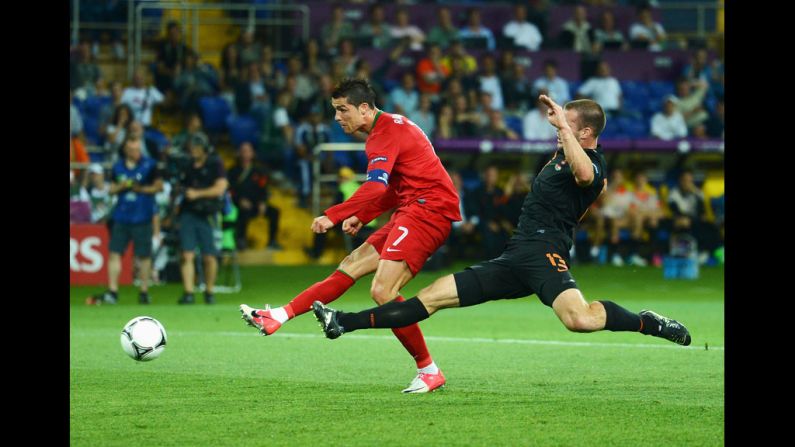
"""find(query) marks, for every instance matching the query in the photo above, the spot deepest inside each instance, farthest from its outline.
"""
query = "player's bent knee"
(380, 293)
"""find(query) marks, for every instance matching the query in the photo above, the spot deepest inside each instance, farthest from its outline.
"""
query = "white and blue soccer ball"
(143, 338)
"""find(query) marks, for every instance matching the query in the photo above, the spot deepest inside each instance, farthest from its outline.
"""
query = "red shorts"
(413, 234)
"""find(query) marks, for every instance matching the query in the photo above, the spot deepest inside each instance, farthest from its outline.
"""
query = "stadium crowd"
(274, 110)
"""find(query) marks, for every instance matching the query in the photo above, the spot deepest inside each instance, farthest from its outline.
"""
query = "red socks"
(412, 339)
(324, 291)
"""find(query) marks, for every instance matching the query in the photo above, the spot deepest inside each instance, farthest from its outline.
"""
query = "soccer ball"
(143, 338)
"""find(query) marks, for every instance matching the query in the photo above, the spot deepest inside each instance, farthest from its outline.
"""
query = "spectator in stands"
(75, 120)
(716, 122)
(516, 190)
(332, 33)
(690, 101)
(251, 96)
(669, 123)
(497, 129)
(647, 214)
(135, 179)
(84, 71)
(535, 124)
(431, 73)
(445, 32)
(457, 53)
(464, 233)
(320, 99)
(271, 70)
(142, 97)
(404, 99)
(347, 57)
(98, 192)
(424, 116)
(193, 81)
(474, 29)
(231, 67)
(517, 90)
(701, 68)
(248, 48)
(282, 131)
(248, 186)
(136, 130)
(557, 87)
(193, 125)
(203, 184)
(404, 29)
(461, 82)
(577, 33)
(616, 211)
(688, 210)
(309, 134)
(170, 58)
(304, 82)
(523, 33)
(489, 197)
(483, 108)
(490, 82)
(116, 131)
(446, 126)
(316, 65)
(466, 120)
(607, 36)
(604, 89)
(645, 32)
(376, 28)
(108, 110)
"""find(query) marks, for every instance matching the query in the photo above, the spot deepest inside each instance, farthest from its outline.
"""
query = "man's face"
(197, 151)
(133, 149)
(491, 175)
(246, 152)
(350, 117)
(550, 71)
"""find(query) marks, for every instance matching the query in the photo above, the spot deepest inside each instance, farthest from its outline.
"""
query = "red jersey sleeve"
(381, 154)
(387, 201)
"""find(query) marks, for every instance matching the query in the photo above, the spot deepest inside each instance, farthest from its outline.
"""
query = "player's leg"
(210, 247)
(119, 240)
(142, 243)
(580, 316)
(360, 262)
(188, 243)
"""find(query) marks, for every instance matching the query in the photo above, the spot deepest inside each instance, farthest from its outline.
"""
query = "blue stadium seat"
(659, 89)
(612, 130)
(215, 111)
(94, 104)
(91, 129)
(515, 124)
(158, 137)
(243, 128)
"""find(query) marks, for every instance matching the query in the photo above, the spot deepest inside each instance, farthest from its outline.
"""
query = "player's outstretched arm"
(581, 165)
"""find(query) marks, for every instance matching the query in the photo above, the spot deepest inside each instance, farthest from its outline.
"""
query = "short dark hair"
(590, 114)
(357, 91)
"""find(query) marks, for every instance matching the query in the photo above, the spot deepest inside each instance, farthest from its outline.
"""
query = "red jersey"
(403, 169)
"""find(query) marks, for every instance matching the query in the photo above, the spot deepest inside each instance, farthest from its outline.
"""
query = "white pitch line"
(510, 341)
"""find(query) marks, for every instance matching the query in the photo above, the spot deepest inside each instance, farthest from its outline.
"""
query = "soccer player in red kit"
(404, 172)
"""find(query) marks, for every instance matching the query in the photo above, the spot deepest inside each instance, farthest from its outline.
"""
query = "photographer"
(203, 183)
(136, 180)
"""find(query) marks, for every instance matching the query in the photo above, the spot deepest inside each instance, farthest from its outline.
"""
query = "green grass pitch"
(515, 376)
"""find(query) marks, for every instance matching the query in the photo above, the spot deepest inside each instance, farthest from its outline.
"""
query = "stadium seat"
(515, 124)
(215, 112)
(93, 105)
(243, 128)
(158, 137)
(91, 129)
(659, 89)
